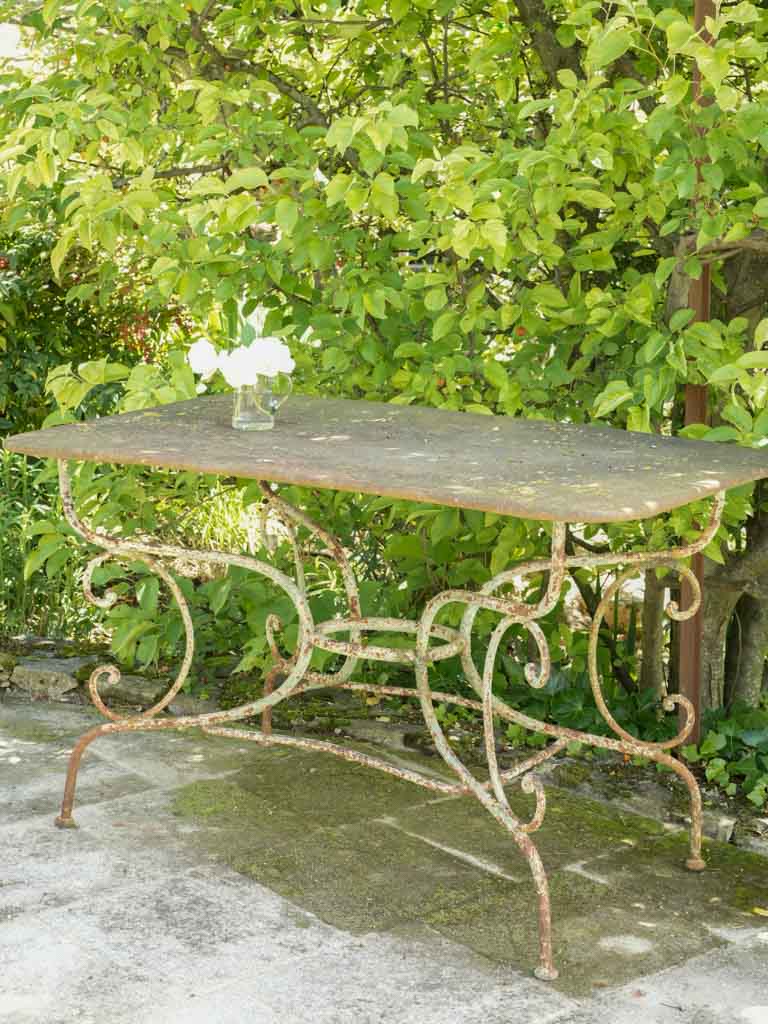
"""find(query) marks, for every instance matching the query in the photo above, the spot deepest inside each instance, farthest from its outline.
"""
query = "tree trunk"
(652, 666)
(734, 659)
(744, 680)
(720, 599)
(734, 649)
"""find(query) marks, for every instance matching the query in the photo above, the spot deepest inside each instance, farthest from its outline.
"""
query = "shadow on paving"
(365, 852)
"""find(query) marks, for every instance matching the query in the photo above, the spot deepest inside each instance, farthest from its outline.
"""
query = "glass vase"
(256, 404)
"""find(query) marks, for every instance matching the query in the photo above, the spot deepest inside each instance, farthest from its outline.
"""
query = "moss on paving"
(353, 847)
(29, 731)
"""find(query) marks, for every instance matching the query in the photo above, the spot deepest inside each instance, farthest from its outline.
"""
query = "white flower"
(203, 359)
(238, 367)
(266, 357)
(272, 356)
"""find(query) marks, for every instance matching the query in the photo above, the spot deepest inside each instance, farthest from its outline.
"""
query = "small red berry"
(521, 331)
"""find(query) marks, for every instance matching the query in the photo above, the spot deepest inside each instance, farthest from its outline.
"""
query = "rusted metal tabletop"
(527, 468)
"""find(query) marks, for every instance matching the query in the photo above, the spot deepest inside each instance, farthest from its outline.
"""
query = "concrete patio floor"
(213, 881)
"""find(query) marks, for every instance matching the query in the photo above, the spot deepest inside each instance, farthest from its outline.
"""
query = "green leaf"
(147, 592)
(383, 196)
(399, 9)
(680, 318)
(758, 795)
(337, 187)
(410, 350)
(56, 562)
(286, 215)
(567, 79)
(36, 559)
(435, 299)
(495, 373)
(375, 303)
(247, 177)
(761, 332)
(664, 269)
(737, 415)
(444, 324)
(722, 434)
(549, 295)
(60, 250)
(404, 115)
(675, 90)
(717, 769)
(421, 168)
(611, 397)
(446, 524)
(753, 360)
(50, 10)
(125, 637)
(219, 595)
(726, 374)
(464, 238)
(592, 199)
(609, 46)
(495, 234)
(679, 34)
(760, 426)
(655, 344)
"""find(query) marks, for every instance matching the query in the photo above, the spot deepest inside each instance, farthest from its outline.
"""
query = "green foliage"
(30, 512)
(40, 326)
(734, 752)
(479, 207)
(489, 236)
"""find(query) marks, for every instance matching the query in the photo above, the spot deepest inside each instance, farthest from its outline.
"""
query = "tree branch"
(175, 172)
(542, 29)
(239, 61)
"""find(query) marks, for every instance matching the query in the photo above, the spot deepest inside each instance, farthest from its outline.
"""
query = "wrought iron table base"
(433, 642)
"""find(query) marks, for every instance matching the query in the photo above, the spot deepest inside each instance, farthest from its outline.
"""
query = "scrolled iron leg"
(695, 861)
(151, 553)
(65, 819)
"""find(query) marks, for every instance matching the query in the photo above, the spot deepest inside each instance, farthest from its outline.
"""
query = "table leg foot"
(695, 864)
(67, 821)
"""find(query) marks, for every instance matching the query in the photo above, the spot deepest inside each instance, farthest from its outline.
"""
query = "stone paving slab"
(197, 889)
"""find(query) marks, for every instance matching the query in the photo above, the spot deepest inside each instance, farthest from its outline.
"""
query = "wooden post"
(696, 411)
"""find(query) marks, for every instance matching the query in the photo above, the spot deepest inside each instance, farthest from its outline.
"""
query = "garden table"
(527, 468)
